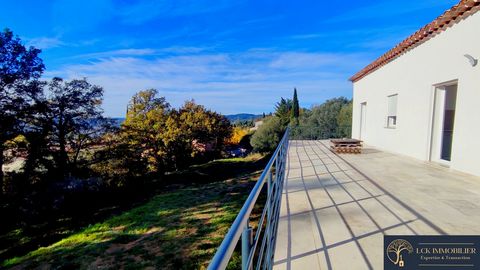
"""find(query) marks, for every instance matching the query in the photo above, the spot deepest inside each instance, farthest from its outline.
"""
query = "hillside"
(178, 229)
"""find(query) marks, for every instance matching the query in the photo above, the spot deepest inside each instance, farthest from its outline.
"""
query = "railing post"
(268, 230)
(246, 245)
(264, 234)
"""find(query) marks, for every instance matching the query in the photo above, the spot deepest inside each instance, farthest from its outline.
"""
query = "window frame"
(391, 119)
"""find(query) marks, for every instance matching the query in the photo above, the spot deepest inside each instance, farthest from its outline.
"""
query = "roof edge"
(460, 11)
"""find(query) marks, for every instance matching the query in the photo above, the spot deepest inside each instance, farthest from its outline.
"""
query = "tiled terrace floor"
(336, 209)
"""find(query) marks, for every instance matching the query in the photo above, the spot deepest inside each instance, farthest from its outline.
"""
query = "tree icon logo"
(395, 249)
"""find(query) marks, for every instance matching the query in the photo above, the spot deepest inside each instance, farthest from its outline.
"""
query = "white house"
(422, 98)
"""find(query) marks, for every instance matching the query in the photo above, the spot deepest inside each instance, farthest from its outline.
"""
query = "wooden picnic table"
(346, 146)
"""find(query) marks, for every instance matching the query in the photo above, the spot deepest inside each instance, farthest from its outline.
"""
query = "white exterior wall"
(413, 76)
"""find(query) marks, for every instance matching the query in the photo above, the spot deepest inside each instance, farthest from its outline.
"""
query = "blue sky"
(232, 56)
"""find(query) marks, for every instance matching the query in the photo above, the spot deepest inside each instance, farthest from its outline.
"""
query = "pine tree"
(283, 110)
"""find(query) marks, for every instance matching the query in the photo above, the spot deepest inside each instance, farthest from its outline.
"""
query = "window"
(392, 111)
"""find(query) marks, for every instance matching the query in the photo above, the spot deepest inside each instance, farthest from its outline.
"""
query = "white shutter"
(392, 105)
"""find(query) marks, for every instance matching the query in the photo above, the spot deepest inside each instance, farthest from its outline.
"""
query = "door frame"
(431, 150)
(363, 120)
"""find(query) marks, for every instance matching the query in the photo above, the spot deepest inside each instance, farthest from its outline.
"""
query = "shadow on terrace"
(336, 208)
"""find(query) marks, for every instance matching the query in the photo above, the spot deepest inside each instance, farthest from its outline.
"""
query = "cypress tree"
(295, 107)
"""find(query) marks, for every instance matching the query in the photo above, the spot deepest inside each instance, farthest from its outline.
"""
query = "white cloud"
(114, 53)
(183, 49)
(295, 60)
(309, 36)
(250, 81)
(140, 52)
(45, 42)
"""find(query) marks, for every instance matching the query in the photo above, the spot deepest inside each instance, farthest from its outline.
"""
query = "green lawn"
(180, 229)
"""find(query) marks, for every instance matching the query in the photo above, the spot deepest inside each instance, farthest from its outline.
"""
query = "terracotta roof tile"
(458, 12)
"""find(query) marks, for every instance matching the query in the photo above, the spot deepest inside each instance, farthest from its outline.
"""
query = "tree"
(169, 138)
(37, 132)
(144, 129)
(268, 135)
(194, 131)
(237, 136)
(295, 105)
(117, 162)
(74, 111)
(344, 120)
(205, 126)
(324, 117)
(18, 65)
(283, 111)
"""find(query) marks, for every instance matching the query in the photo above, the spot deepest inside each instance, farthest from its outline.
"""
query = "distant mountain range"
(242, 117)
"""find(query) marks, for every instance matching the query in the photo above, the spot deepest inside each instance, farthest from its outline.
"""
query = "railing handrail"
(314, 132)
(225, 250)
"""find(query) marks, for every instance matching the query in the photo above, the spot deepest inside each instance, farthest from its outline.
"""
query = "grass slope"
(175, 230)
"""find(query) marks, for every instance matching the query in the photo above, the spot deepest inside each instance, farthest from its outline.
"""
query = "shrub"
(237, 135)
(331, 119)
(268, 135)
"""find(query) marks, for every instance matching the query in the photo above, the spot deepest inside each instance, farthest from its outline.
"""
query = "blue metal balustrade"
(258, 245)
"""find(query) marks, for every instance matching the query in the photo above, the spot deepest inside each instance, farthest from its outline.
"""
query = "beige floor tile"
(428, 195)
(358, 221)
(333, 228)
(302, 238)
(373, 247)
(280, 266)
(347, 257)
(306, 262)
(379, 213)
(338, 194)
(356, 191)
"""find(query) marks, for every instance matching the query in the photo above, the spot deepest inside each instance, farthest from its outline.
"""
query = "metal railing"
(257, 245)
(309, 132)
